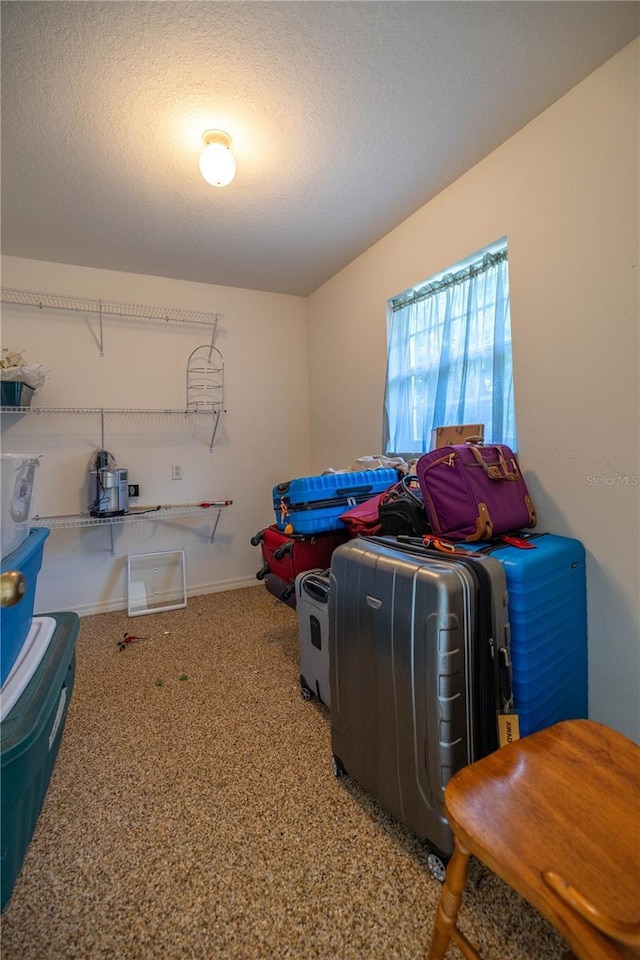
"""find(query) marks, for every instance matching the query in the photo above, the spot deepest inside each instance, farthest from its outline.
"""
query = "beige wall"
(564, 190)
(263, 439)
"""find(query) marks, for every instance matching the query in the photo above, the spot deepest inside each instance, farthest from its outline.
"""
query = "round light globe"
(217, 165)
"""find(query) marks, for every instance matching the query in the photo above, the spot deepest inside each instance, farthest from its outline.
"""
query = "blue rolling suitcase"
(548, 617)
(313, 504)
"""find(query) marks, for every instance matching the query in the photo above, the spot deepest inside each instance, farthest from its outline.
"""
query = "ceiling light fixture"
(217, 163)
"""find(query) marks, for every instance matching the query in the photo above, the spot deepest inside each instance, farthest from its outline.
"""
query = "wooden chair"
(556, 815)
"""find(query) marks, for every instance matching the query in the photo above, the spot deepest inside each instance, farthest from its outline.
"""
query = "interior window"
(449, 356)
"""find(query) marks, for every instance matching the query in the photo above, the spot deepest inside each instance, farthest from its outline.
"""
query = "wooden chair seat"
(556, 815)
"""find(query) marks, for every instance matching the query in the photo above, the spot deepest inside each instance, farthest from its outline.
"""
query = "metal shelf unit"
(211, 403)
(197, 403)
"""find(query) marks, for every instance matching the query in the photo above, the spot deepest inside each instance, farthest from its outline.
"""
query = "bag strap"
(403, 487)
(419, 545)
(494, 471)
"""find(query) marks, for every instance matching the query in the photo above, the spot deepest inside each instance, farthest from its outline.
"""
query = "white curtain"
(449, 358)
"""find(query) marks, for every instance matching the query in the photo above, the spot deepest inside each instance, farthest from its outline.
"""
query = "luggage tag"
(508, 728)
(284, 513)
(508, 720)
(519, 542)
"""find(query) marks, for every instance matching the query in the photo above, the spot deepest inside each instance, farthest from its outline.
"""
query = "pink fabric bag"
(474, 492)
(364, 518)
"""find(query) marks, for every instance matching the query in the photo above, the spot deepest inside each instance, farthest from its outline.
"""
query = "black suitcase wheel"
(305, 690)
(257, 540)
(338, 767)
(437, 864)
(262, 572)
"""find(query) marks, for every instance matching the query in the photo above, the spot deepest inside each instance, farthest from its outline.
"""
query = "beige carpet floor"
(200, 818)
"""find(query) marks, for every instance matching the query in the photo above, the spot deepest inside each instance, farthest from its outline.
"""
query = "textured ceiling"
(346, 117)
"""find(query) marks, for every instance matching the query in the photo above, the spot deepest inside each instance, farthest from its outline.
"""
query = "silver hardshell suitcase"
(419, 670)
(312, 596)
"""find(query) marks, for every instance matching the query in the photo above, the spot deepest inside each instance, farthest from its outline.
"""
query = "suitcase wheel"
(262, 572)
(437, 864)
(305, 690)
(338, 767)
(257, 540)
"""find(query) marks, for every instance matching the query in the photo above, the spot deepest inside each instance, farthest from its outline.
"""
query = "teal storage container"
(30, 737)
(14, 393)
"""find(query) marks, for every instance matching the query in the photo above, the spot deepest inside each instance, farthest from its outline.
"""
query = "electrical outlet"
(176, 471)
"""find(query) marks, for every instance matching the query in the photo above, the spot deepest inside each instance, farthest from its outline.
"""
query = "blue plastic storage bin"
(314, 504)
(15, 621)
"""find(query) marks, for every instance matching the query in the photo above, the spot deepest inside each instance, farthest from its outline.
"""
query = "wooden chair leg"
(450, 900)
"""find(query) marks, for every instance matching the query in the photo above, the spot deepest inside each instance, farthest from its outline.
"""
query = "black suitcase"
(281, 589)
(419, 671)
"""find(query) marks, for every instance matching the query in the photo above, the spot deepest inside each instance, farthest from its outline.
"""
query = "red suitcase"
(286, 555)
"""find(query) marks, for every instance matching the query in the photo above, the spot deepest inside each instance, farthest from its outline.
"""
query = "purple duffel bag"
(474, 492)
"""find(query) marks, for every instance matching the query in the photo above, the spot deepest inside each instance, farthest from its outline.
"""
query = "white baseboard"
(108, 606)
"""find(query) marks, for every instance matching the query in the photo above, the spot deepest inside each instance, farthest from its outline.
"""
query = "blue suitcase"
(548, 617)
(314, 504)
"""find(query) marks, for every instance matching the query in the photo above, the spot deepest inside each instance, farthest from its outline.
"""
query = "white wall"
(564, 190)
(263, 439)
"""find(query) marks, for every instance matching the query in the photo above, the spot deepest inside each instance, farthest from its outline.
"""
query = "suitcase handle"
(506, 689)
(495, 471)
(403, 487)
(316, 587)
(353, 491)
(284, 550)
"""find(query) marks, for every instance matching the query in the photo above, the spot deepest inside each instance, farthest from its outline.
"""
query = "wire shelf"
(209, 408)
(109, 307)
(165, 512)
